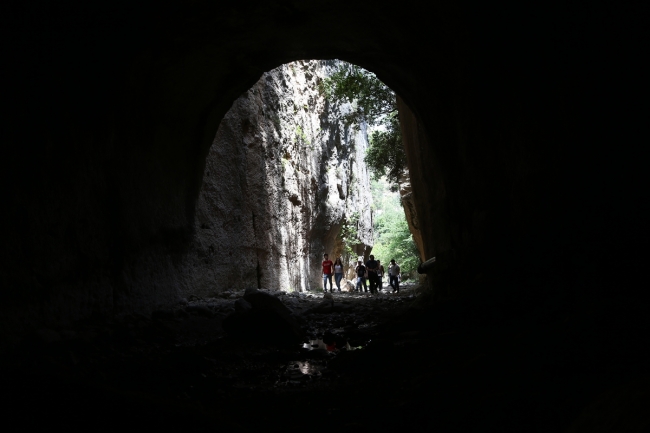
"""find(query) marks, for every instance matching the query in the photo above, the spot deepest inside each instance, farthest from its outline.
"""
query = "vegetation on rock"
(374, 103)
(350, 234)
(393, 238)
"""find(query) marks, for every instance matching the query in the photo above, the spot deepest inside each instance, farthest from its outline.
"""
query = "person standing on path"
(380, 274)
(361, 276)
(338, 272)
(393, 275)
(327, 273)
(373, 268)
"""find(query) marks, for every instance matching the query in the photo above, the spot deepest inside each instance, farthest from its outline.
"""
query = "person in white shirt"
(338, 272)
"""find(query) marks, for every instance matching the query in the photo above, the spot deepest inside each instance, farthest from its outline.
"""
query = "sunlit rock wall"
(283, 174)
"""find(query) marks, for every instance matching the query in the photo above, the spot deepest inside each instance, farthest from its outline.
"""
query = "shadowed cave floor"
(179, 369)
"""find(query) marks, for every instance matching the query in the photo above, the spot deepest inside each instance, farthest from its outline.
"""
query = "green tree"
(374, 103)
(385, 155)
(371, 99)
(393, 238)
(349, 234)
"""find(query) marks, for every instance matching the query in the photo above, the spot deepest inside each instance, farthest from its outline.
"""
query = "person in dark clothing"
(380, 274)
(361, 276)
(373, 268)
(393, 275)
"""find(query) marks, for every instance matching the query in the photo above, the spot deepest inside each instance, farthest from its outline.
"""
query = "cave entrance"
(308, 161)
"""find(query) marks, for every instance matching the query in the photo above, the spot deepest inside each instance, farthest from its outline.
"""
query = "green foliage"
(393, 239)
(350, 234)
(374, 103)
(385, 155)
(350, 83)
(300, 135)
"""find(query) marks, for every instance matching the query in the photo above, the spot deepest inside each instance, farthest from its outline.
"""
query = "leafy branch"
(350, 233)
(372, 102)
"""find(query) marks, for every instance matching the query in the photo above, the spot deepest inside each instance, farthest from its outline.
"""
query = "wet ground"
(365, 363)
(179, 363)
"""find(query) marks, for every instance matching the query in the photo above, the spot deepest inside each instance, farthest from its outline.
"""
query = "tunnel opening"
(288, 178)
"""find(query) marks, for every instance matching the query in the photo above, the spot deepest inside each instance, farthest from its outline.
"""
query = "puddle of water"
(307, 367)
(300, 373)
(315, 344)
(320, 344)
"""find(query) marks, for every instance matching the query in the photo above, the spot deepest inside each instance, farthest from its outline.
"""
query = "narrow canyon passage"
(283, 177)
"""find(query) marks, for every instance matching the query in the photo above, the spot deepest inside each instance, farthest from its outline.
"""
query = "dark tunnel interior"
(523, 129)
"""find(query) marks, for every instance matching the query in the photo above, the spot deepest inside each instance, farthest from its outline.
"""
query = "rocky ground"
(271, 361)
(181, 366)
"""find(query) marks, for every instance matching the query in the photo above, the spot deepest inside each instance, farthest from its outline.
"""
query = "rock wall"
(283, 174)
(406, 195)
(411, 215)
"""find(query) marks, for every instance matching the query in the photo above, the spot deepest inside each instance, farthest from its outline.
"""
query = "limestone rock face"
(406, 195)
(283, 174)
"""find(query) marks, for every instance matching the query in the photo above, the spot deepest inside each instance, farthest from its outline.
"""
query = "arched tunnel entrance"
(287, 180)
(284, 176)
(532, 317)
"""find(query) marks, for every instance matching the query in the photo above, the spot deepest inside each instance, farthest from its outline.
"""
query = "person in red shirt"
(327, 272)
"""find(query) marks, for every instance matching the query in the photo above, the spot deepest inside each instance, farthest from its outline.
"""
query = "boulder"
(264, 301)
(199, 310)
(242, 305)
(262, 317)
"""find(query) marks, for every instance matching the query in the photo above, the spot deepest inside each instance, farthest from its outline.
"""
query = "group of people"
(373, 271)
